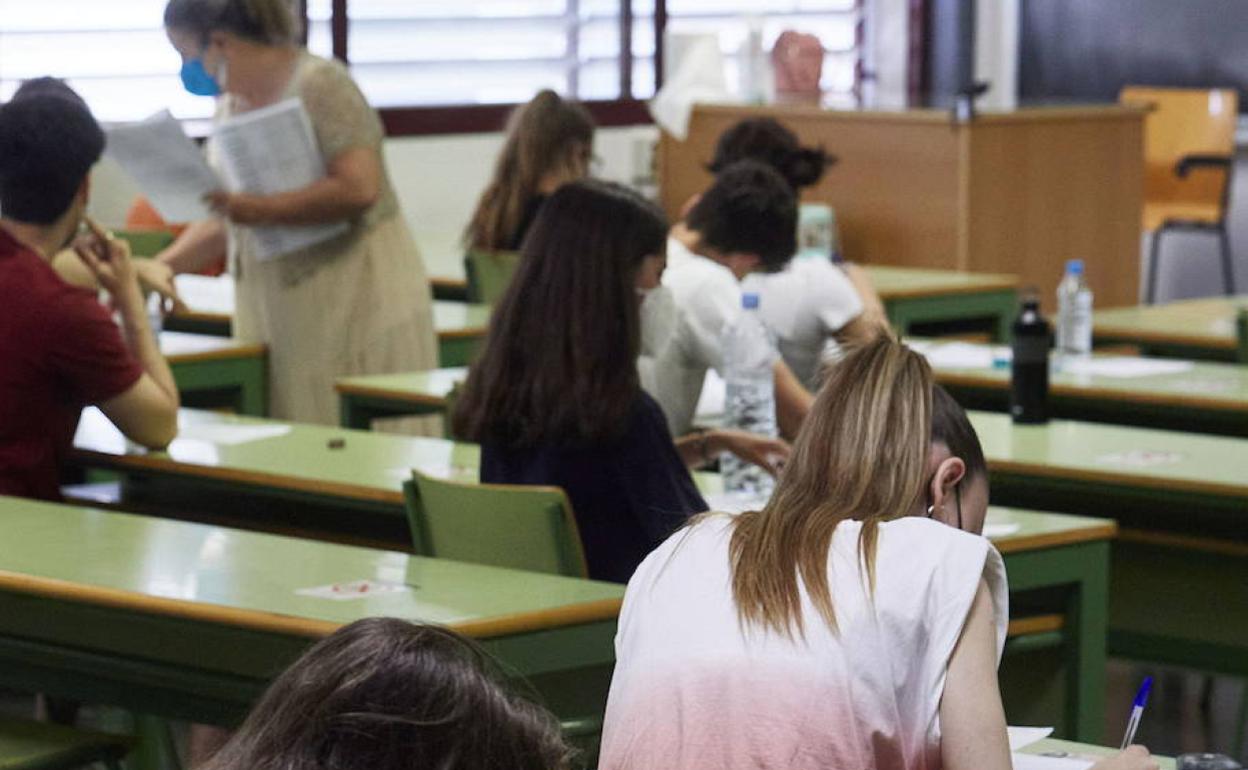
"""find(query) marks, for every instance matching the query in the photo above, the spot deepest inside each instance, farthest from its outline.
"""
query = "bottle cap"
(1074, 267)
(749, 301)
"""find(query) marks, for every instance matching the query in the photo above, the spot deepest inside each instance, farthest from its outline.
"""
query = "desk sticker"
(354, 589)
(1140, 458)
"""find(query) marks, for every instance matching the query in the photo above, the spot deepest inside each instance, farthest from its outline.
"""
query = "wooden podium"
(1018, 192)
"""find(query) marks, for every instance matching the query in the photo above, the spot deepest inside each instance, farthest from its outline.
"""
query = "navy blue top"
(628, 495)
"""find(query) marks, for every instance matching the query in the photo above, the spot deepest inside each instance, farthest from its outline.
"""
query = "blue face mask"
(197, 80)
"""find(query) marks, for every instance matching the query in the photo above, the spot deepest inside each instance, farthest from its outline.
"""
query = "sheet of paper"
(995, 529)
(231, 435)
(1126, 367)
(730, 503)
(206, 294)
(960, 355)
(1041, 762)
(1022, 737)
(274, 150)
(354, 589)
(166, 165)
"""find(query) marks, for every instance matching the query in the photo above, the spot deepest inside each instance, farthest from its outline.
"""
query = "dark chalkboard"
(1086, 50)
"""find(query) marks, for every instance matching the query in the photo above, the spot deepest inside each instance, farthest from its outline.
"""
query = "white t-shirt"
(692, 691)
(802, 306)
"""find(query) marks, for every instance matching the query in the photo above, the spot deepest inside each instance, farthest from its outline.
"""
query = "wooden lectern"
(1018, 192)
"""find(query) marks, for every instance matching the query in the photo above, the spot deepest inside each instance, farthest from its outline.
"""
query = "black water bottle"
(1029, 386)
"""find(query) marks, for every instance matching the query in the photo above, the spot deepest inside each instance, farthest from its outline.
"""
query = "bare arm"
(197, 248)
(873, 313)
(792, 400)
(700, 448)
(351, 186)
(147, 412)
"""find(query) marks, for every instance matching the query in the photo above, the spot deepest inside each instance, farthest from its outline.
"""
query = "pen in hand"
(1137, 711)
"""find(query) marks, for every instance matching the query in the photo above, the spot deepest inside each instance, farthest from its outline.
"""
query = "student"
(855, 622)
(745, 223)
(60, 348)
(554, 398)
(385, 694)
(813, 306)
(550, 142)
(358, 303)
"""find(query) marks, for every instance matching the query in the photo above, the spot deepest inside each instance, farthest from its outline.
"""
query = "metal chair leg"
(1228, 266)
(1154, 256)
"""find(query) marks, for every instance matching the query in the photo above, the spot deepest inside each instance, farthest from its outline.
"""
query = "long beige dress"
(357, 304)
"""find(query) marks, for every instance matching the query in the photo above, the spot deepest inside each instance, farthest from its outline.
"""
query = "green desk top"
(179, 347)
(1140, 457)
(1208, 322)
(429, 387)
(213, 298)
(906, 283)
(1052, 745)
(1200, 384)
(253, 580)
(368, 465)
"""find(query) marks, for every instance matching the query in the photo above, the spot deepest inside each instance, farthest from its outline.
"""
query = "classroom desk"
(372, 397)
(460, 327)
(188, 621)
(1179, 572)
(1194, 328)
(217, 371)
(1202, 397)
(921, 296)
(1055, 747)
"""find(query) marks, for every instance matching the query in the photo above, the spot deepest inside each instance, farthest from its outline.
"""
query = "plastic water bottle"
(1029, 380)
(1074, 314)
(750, 405)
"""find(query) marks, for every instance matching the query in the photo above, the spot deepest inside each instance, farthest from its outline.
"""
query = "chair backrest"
(1183, 122)
(491, 273)
(145, 243)
(521, 527)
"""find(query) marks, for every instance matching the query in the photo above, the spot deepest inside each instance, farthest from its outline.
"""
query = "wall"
(437, 180)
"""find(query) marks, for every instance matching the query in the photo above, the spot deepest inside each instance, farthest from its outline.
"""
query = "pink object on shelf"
(797, 60)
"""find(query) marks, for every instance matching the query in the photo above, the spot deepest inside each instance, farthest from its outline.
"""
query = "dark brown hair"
(548, 134)
(861, 455)
(268, 22)
(559, 364)
(385, 694)
(769, 141)
(749, 209)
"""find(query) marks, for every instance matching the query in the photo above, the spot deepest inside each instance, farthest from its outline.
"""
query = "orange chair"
(1189, 157)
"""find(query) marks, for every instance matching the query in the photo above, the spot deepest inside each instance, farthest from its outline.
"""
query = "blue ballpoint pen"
(1137, 711)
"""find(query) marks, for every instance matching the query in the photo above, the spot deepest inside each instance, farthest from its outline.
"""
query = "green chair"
(489, 273)
(522, 527)
(27, 745)
(145, 243)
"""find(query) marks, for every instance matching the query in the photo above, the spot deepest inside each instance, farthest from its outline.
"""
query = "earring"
(932, 508)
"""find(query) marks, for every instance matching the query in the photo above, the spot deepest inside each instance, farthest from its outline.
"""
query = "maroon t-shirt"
(59, 351)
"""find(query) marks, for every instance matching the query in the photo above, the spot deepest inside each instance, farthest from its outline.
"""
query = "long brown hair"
(268, 22)
(559, 364)
(385, 694)
(543, 135)
(862, 455)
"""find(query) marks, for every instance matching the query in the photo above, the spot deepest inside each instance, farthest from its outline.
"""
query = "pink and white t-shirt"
(693, 691)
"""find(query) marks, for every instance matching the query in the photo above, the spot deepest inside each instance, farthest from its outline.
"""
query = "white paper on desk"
(1126, 367)
(231, 435)
(1041, 762)
(206, 294)
(959, 355)
(166, 165)
(268, 151)
(1022, 737)
(726, 502)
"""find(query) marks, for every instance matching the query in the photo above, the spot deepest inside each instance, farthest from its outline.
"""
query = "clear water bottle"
(1074, 314)
(750, 405)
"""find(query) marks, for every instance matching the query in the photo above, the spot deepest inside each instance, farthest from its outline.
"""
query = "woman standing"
(356, 304)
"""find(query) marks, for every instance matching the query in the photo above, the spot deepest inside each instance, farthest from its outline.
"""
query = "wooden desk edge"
(200, 316)
(987, 287)
(168, 466)
(225, 354)
(311, 628)
(1101, 393)
(401, 396)
(466, 332)
(933, 116)
(446, 282)
(1124, 333)
(1019, 543)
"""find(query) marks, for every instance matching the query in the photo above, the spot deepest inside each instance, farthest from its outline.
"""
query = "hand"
(1133, 758)
(157, 276)
(240, 208)
(108, 259)
(770, 454)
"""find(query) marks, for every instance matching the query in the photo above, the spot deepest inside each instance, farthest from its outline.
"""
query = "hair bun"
(805, 166)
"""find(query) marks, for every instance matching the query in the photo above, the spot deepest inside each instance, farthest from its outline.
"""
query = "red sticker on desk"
(355, 589)
(1140, 458)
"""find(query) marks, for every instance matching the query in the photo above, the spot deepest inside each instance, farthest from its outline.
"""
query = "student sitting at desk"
(745, 223)
(60, 348)
(385, 694)
(856, 621)
(554, 398)
(550, 142)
